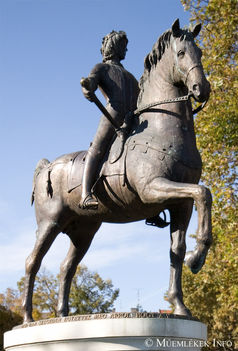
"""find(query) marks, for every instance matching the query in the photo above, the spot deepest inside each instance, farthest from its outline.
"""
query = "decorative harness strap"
(139, 110)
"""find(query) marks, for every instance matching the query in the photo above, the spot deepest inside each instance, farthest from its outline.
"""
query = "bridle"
(147, 107)
(190, 69)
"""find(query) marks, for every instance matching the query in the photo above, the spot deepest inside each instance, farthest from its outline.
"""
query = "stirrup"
(90, 203)
(157, 221)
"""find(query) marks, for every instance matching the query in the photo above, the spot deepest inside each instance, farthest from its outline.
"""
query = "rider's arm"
(90, 84)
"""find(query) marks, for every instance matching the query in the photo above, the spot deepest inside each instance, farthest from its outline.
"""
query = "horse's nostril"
(196, 89)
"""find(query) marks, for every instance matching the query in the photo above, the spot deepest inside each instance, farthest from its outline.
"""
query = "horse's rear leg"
(161, 190)
(81, 239)
(45, 236)
(180, 217)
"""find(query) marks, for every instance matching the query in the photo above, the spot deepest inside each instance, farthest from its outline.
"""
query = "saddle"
(112, 164)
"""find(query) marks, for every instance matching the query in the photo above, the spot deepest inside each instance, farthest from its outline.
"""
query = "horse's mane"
(157, 52)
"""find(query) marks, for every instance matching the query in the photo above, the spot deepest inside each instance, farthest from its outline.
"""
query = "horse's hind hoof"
(27, 320)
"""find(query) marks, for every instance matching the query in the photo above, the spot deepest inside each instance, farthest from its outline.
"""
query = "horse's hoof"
(194, 262)
(62, 314)
(182, 311)
(28, 319)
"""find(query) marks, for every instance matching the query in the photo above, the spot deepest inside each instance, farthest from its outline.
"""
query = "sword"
(93, 98)
(116, 126)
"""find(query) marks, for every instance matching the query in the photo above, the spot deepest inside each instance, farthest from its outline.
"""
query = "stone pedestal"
(109, 332)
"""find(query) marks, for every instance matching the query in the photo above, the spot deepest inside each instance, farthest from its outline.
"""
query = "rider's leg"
(95, 154)
(91, 163)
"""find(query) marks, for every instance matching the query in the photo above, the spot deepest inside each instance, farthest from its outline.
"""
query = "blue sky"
(46, 46)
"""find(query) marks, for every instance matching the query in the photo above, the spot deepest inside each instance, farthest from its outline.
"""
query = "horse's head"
(187, 67)
(176, 60)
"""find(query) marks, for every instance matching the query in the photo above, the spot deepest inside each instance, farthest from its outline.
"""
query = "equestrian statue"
(143, 161)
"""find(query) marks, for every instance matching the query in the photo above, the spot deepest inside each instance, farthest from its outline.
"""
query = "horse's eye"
(181, 53)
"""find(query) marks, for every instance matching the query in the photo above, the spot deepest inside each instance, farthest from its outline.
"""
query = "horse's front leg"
(179, 219)
(160, 190)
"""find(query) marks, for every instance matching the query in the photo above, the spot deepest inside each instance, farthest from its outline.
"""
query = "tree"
(89, 294)
(8, 320)
(11, 301)
(212, 295)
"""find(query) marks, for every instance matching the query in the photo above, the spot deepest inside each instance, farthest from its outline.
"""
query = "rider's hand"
(88, 88)
(122, 133)
(124, 129)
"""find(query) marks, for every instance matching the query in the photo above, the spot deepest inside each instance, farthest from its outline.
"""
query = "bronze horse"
(159, 169)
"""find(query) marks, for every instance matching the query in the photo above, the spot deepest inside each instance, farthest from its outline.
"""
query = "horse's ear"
(196, 30)
(176, 28)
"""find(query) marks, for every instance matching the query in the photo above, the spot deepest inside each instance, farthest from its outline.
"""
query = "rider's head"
(114, 46)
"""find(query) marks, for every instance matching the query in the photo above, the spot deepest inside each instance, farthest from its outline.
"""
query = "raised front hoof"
(194, 261)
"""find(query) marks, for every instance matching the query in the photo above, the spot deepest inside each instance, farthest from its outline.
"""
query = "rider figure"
(120, 89)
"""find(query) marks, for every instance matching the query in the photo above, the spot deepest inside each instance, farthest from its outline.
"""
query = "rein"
(138, 111)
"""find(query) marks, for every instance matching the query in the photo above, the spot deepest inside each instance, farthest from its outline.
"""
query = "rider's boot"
(88, 201)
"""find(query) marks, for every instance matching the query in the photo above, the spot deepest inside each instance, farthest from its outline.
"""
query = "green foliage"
(89, 294)
(212, 295)
(10, 312)
(11, 301)
(8, 320)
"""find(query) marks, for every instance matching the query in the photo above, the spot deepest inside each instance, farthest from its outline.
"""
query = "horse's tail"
(40, 165)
